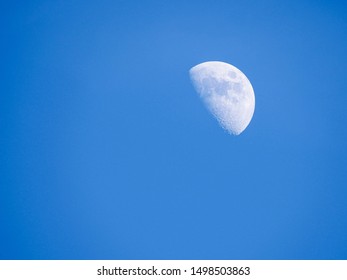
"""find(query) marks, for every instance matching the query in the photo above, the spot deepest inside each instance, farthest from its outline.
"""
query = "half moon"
(226, 92)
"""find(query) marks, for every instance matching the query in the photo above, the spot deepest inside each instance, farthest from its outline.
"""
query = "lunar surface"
(226, 92)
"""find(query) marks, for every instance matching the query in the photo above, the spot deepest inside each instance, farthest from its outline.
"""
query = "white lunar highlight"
(226, 92)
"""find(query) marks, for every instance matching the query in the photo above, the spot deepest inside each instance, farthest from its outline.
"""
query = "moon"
(226, 92)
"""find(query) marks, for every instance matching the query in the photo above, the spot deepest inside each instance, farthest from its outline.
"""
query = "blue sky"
(106, 151)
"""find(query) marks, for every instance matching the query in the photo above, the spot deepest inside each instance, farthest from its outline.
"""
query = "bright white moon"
(226, 92)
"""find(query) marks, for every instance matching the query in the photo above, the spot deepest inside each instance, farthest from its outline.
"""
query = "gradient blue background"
(106, 151)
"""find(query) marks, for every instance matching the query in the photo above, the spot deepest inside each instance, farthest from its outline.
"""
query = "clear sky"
(106, 151)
